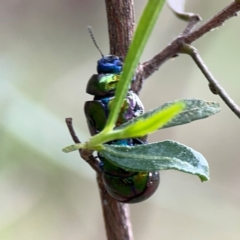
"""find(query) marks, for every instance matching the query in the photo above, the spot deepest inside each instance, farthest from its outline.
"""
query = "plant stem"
(116, 215)
(121, 22)
(216, 88)
(85, 154)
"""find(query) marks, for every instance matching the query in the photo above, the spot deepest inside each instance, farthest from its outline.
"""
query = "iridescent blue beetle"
(124, 186)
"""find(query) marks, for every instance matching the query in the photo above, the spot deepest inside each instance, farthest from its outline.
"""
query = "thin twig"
(71, 130)
(192, 23)
(217, 88)
(85, 154)
(216, 21)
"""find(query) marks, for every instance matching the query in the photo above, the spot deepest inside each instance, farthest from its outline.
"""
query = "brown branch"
(216, 88)
(149, 67)
(85, 154)
(216, 21)
(116, 215)
(121, 22)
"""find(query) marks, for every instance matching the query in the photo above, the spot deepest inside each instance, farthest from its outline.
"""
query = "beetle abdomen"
(125, 186)
(132, 189)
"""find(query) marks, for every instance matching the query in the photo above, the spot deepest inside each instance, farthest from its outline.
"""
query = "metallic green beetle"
(124, 186)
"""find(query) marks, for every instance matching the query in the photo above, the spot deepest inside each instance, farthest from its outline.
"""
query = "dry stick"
(148, 68)
(215, 86)
(85, 154)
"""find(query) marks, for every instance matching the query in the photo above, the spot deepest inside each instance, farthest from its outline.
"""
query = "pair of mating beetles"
(124, 186)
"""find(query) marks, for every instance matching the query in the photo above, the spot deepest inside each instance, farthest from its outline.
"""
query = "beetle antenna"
(94, 40)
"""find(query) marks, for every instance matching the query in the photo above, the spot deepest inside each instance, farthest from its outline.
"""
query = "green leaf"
(195, 109)
(157, 156)
(142, 33)
(149, 123)
(137, 129)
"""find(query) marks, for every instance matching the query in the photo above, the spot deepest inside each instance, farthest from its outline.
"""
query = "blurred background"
(46, 59)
